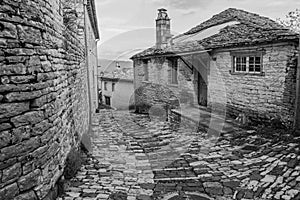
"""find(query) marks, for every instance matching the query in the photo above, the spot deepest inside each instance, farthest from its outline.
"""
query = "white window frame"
(247, 54)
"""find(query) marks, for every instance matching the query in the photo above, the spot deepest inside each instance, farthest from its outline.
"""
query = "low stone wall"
(43, 95)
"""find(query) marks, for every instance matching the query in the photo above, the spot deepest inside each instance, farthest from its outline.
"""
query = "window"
(113, 87)
(240, 64)
(107, 100)
(173, 71)
(254, 64)
(105, 85)
(247, 62)
(146, 70)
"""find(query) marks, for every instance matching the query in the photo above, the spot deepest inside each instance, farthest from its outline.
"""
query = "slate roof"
(123, 74)
(251, 29)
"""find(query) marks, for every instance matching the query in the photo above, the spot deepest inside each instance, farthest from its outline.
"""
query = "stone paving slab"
(137, 157)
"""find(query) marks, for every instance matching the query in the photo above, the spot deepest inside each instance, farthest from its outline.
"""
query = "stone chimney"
(163, 31)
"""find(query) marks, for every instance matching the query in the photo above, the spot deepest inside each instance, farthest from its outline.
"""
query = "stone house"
(235, 62)
(117, 88)
(47, 59)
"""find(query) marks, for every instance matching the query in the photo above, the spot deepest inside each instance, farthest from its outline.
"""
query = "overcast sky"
(127, 26)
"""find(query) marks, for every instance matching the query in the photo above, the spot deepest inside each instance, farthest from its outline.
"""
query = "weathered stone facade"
(44, 104)
(157, 90)
(258, 96)
(206, 72)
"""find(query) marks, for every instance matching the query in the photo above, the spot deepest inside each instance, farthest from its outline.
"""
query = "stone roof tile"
(251, 29)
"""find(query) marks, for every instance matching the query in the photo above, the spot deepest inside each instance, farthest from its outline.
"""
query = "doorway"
(202, 91)
(107, 100)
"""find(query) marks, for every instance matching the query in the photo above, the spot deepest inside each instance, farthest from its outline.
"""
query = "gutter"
(90, 5)
(297, 101)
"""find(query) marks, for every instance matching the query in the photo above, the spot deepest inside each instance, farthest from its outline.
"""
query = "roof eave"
(93, 17)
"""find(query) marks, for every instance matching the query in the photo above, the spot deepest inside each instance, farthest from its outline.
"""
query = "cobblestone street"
(137, 157)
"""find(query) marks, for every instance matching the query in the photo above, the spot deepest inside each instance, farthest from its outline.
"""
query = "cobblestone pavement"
(135, 157)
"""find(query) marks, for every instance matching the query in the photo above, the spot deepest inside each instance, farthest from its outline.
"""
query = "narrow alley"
(213, 91)
(140, 157)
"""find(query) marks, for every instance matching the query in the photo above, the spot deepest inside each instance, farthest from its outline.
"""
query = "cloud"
(121, 45)
(188, 11)
(183, 5)
(116, 21)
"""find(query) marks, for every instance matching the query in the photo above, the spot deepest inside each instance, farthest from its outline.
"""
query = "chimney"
(163, 32)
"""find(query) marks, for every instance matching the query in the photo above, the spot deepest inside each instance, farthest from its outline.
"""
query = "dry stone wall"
(43, 95)
(158, 90)
(271, 95)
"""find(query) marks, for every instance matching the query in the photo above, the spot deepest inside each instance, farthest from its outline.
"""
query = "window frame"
(247, 54)
(146, 70)
(105, 85)
(107, 99)
(173, 70)
(113, 86)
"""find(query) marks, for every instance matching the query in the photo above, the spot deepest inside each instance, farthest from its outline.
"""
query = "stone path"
(135, 157)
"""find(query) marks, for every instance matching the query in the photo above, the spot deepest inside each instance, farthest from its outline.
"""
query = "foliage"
(142, 107)
(73, 163)
(292, 20)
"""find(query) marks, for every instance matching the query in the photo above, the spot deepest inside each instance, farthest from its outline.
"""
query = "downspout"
(86, 139)
(97, 40)
(134, 85)
(297, 102)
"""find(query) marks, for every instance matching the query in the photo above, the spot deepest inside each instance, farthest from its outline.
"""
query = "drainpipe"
(297, 103)
(86, 138)
(97, 40)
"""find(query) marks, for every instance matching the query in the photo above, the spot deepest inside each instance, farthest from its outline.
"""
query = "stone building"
(47, 55)
(235, 62)
(117, 88)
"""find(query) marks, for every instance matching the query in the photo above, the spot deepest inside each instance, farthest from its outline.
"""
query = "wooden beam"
(297, 102)
(187, 64)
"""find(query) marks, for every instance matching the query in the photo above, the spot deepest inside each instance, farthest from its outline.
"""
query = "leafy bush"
(73, 163)
(142, 107)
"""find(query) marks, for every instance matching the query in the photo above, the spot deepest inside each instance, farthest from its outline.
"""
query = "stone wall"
(43, 94)
(158, 90)
(260, 97)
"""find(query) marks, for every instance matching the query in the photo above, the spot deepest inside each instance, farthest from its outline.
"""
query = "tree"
(292, 20)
